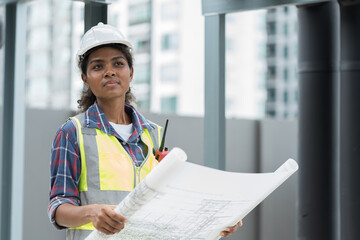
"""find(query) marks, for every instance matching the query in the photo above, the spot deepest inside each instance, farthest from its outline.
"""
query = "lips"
(111, 83)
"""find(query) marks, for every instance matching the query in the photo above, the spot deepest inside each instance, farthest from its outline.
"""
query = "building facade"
(168, 39)
(281, 59)
(52, 30)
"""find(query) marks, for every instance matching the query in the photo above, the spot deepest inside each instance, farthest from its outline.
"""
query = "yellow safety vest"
(108, 173)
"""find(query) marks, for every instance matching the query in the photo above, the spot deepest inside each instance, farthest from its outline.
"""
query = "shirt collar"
(95, 118)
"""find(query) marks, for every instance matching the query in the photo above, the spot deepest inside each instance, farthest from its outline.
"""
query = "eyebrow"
(100, 60)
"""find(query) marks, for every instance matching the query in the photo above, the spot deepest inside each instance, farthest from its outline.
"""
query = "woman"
(86, 182)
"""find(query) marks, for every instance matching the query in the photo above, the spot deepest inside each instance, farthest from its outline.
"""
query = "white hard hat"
(99, 35)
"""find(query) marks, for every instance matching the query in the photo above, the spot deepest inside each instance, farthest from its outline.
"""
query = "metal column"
(12, 188)
(318, 121)
(95, 12)
(214, 121)
(350, 120)
(6, 161)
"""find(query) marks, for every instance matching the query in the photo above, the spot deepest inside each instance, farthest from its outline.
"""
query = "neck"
(115, 111)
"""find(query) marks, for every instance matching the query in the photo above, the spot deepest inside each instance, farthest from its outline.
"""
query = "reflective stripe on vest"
(103, 180)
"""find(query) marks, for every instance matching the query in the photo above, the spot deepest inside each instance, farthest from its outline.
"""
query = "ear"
(84, 78)
(131, 74)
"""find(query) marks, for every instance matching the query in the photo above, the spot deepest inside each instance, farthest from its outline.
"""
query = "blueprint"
(181, 200)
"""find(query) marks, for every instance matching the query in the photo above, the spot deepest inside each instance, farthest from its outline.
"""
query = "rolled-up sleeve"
(65, 168)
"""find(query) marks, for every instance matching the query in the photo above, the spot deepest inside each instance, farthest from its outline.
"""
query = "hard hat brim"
(83, 51)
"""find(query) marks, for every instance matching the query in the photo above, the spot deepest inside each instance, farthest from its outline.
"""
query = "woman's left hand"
(230, 230)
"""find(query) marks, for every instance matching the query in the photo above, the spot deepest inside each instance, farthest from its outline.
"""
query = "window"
(271, 73)
(142, 45)
(143, 104)
(286, 29)
(169, 73)
(271, 50)
(53, 32)
(286, 52)
(169, 104)
(286, 97)
(142, 74)
(286, 9)
(286, 75)
(141, 42)
(170, 41)
(271, 113)
(170, 10)
(271, 28)
(272, 10)
(271, 94)
(139, 13)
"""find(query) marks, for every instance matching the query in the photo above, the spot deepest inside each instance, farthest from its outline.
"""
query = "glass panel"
(139, 13)
(53, 36)
(170, 41)
(169, 104)
(245, 64)
(271, 94)
(261, 57)
(143, 45)
(282, 62)
(142, 94)
(162, 33)
(142, 74)
(170, 10)
(170, 73)
(134, 18)
(143, 104)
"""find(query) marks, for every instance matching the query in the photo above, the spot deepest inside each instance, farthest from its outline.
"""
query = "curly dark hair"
(87, 96)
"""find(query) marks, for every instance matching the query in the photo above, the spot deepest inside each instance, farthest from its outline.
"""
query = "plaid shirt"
(65, 165)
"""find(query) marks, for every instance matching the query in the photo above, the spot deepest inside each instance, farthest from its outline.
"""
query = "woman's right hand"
(106, 220)
(103, 217)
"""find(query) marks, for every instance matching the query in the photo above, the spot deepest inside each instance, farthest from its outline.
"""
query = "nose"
(109, 71)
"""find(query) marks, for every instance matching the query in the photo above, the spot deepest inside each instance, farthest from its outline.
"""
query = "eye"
(97, 66)
(118, 63)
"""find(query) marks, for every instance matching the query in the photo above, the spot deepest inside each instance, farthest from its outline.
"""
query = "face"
(108, 74)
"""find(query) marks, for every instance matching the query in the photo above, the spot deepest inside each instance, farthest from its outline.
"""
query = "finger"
(114, 215)
(109, 222)
(113, 225)
(117, 217)
(104, 230)
(240, 223)
(229, 230)
(111, 229)
(224, 234)
(103, 227)
(232, 229)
